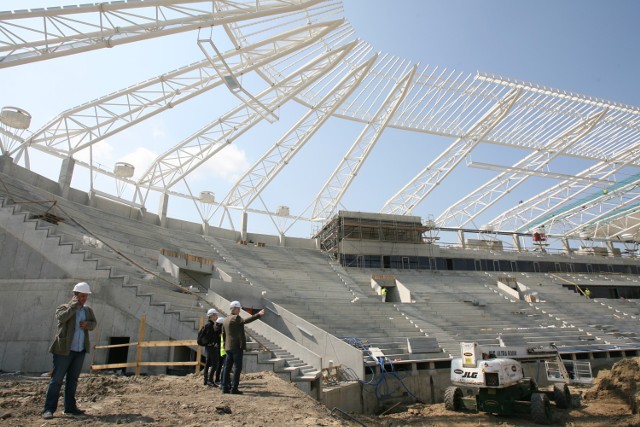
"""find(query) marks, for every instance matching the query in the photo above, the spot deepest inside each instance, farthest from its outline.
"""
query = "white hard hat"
(211, 312)
(235, 304)
(220, 320)
(82, 287)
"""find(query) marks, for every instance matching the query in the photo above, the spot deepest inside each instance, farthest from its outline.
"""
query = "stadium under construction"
(366, 295)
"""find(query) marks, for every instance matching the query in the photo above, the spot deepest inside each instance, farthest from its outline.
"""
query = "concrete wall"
(27, 311)
(331, 349)
(19, 261)
(392, 387)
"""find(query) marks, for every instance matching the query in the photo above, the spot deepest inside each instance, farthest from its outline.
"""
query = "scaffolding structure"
(359, 226)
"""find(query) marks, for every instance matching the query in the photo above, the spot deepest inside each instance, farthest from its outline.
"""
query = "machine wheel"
(541, 409)
(453, 398)
(562, 396)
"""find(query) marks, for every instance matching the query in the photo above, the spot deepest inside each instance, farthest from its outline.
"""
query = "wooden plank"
(112, 366)
(116, 345)
(169, 343)
(168, 363)
(143, 319)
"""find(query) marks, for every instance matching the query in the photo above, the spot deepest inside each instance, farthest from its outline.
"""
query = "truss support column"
(66, 174)
(567, 246)
(516, 243)
(461, 239)
(162, 209)
(243, 225)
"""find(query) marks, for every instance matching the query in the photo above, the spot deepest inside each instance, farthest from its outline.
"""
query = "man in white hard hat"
(235, 342)
(212, 347)
(70, 345)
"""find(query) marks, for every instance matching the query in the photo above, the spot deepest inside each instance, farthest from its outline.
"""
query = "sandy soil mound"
(622, 381)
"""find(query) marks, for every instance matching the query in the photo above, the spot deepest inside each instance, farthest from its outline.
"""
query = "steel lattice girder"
(29, 36)
(264, 170)
(186, 156)
(466, 210)
(420, 186)
(87, 124)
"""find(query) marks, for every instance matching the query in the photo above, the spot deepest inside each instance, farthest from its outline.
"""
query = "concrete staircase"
(65, 249)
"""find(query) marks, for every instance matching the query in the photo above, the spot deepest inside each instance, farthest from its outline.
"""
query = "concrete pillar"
(516, 243)
(66, 174)
(6, 163)
(281, 241)
(461, 239)
(243, 226)
(205, 228)
(162, 209)
(610, 247)
(567, 247)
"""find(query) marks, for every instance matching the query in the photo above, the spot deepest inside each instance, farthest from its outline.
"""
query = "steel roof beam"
(177, 163)
(412, 194)
(39, 34)
(336, 186)
(255, 180)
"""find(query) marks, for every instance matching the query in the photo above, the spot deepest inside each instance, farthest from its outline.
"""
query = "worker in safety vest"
(383, 292)
(223, 354)
(587, 293)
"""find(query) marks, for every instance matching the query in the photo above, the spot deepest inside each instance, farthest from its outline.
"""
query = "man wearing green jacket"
(69, 347)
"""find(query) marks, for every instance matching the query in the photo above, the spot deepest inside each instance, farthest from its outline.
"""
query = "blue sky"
(583, 46)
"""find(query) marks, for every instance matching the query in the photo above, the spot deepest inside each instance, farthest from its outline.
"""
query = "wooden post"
(199, 350)
(143, 319)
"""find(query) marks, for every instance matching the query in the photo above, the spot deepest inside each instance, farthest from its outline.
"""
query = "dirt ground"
(270, 401)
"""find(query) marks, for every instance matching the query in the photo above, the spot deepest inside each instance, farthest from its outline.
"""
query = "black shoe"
(236, 392)
(77, 412)
(226, 391)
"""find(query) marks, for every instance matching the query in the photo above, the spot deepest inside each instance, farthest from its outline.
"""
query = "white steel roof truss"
(181, 160)
(57, 31)
(287, 64)
(625, 221)
(571, 222)
(463, 107)
(410, 101)
(478, 201)
(327, 84)
(524, 214)
(560, 193)
(251, 184)
(91, 122)
(336, 186)
(276, 70)
(421, 186)
(366, 83)
(382, 87)
(368, 87)
(450, 104)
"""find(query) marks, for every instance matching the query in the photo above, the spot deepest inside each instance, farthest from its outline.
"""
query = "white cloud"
(141, 159)
(229, 164)
(102, 154)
